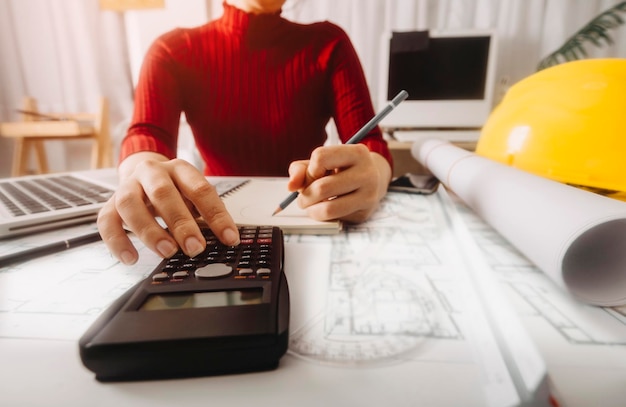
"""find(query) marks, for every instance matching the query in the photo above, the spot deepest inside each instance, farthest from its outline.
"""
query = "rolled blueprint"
(576, 237)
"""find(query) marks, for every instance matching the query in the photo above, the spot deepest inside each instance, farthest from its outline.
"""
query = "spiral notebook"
(253, 201)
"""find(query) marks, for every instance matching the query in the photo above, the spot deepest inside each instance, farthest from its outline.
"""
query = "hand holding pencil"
(356, 138)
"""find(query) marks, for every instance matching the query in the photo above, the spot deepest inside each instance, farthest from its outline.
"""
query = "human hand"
(340, 182)
(150, 186)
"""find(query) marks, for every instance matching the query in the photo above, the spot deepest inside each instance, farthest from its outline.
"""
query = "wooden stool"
(35, 128)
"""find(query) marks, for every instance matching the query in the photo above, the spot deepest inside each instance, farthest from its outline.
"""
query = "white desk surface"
(383, 314)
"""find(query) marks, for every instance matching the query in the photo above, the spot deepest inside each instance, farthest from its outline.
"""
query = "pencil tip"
(277, 210)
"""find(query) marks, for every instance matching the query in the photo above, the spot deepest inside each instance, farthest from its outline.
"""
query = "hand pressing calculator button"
(250, 259)
(223, 311)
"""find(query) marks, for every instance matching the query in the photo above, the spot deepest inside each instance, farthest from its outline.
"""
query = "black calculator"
(224, 311)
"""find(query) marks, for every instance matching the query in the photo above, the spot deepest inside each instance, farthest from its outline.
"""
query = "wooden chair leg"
(20, 157)
(101, 153)
(96, 152)
(23, 146)
(42, 160)
(95, 147)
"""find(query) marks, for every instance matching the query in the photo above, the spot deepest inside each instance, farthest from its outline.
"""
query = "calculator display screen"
(207, 299)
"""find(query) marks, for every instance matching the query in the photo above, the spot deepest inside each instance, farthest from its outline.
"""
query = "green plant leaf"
(594, 32)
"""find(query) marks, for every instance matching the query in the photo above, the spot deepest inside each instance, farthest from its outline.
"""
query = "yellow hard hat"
(566, 123)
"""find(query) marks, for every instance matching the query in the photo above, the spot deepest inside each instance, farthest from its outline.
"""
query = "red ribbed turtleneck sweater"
(257, 91)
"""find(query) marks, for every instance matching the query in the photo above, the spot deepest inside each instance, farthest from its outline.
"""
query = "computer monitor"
(449, 76)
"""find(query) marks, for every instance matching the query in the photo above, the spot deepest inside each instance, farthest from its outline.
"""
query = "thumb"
(299, 176)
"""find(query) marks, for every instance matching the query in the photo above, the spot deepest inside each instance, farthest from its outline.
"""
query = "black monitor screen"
(447, 68)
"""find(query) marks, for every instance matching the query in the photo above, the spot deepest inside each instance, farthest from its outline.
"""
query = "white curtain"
(67, 53)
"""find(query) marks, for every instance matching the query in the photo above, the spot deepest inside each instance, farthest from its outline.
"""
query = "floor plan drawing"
(536, 295)
(390, 293)
(52, 298)
(376, 304)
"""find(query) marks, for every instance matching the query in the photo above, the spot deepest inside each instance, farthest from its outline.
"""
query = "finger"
(114, 236)
(162, 187)
(354, 207)
(327, 181)
(332, 197)
(207, 202)
(298, 175)
(130, 204)
(350, 188)
(331, 159)
(338, 162)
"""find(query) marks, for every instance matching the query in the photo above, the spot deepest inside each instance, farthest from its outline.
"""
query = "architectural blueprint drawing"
(580, 244)
(381, 301)
(574, 240)
(58, 296)
(393, 293)
(585, 344)
(575, 322)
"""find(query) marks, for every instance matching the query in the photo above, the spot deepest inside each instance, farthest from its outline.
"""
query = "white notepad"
(254, 200)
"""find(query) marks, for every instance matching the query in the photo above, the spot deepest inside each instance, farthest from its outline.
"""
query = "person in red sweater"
(258, 91)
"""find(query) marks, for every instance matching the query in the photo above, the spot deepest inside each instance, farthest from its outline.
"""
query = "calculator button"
(160, 277)
(180, 274)
(245, 271)
(188, 266)
(213, 270)
(263, 271)
(244, 263)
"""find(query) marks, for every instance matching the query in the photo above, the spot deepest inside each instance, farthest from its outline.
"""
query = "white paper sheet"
(584, 346)
(576, 237)
(384, 313)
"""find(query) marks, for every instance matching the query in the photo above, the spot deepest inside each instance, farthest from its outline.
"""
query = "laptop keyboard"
(22, 197)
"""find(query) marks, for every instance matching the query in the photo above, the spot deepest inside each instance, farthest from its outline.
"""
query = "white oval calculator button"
(213, 270)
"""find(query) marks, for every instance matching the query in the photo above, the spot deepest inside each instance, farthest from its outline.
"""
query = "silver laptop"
(41, 202)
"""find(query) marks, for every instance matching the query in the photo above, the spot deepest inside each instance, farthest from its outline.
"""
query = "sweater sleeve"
(352, 103)
(156, 116)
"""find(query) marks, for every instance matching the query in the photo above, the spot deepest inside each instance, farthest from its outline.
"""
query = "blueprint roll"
(576, 237)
